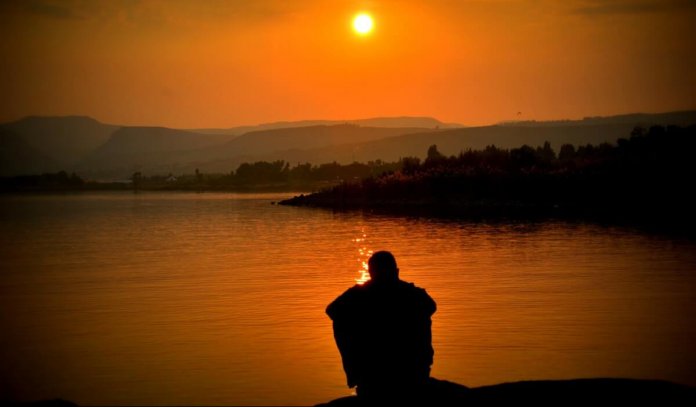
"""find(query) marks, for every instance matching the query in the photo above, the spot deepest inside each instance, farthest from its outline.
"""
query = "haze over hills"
(64, 139)
(453, 141)
(18, 157)
(101, 151)
(161, 150)
(677, 118)
(406, 121)
(47, 144)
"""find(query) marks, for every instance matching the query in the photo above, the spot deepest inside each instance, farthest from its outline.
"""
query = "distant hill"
(65, 140)
(166, 150)
(453, 141)
(19, 157)
(260, 142)
(152, 149)
(96, 150)
(130, 140)
(680, 118)
(399, 122)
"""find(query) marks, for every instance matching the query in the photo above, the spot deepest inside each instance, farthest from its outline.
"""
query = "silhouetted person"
(382, 330)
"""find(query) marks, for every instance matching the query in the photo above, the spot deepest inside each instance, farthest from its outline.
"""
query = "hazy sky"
(224, 63)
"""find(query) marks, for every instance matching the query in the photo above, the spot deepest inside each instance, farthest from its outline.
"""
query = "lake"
(218, 298)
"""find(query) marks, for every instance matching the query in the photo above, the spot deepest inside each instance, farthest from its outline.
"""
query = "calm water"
(180, 298)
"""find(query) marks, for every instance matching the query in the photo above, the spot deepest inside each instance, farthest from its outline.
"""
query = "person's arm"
(344, 334)
(428, 308)
(427, 303)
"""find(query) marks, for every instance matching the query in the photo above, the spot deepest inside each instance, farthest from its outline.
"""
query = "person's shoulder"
(344, 300)
(353, 291)
(420, 296)
(411, 287)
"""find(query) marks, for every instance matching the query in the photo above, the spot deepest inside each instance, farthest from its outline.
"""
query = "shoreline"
(662, 219)
(550, 392)
(528, 392)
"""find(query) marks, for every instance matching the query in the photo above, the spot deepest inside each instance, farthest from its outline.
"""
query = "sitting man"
(382, 330)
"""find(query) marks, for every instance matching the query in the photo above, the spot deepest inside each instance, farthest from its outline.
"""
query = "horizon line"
(341, 121)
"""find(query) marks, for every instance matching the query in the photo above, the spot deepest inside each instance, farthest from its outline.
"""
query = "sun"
(362, 23)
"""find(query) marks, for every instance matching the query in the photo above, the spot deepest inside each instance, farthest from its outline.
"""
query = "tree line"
(46, 181)
(651, 165)
(648, 174)
(273, 174)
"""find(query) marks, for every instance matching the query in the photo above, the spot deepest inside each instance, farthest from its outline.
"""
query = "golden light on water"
(516, 301)
(364, 275)
(363, 255)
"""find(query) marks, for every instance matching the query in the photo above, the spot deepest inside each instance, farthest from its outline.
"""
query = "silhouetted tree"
(301, 172)
(546, 153)
(410, 165)
(199, 176)
(434, 154)
(567, 152)
(136, 178)
(523, 157)
(262, 172)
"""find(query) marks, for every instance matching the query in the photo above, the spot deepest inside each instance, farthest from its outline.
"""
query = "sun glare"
(363, 255)
(362, 23)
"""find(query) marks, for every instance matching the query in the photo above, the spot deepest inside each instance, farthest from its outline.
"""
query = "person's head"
(382, 267)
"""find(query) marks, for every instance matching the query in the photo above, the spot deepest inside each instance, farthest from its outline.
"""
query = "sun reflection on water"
(363, 255)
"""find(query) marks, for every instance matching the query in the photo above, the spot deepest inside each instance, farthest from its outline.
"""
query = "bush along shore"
(260, 176)
(646, 178)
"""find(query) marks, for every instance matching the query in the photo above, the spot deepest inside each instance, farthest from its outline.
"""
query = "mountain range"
(96, 150)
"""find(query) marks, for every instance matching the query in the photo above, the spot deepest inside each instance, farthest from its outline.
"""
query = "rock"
(550, 392)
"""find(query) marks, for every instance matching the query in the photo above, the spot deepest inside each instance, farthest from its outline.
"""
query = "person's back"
(382, 330)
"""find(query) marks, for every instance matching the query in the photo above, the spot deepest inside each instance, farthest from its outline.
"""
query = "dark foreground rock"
(41, 403)
(585, 392)
(551, 392)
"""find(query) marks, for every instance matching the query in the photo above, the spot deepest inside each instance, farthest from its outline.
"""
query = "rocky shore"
(587, 392)
(624, 392)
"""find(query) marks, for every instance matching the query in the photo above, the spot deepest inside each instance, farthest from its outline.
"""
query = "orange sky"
(225, 63)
